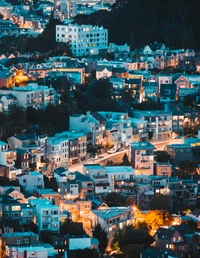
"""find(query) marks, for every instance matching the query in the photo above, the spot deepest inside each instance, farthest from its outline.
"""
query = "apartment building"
(99, 176)
(118, 128)
(31, 180)
(33, 95)
(110, 219)
(139, 129)
(121, 179)
(7, 161)
(47, 215)
(58, 151)
(11, 209)
(142, 157)
(7, 103)
(86, 185)
(180, 152)
(82, 38)
(19, 238)
(31, 149)
(159, 123)
(87, 123)
(149, 91)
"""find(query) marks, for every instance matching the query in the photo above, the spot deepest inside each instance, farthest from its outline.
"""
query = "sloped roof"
(100, 68)
(183, 229)
(165, 233)
(98, 116)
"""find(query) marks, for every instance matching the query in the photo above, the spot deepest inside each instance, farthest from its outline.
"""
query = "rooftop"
(142, 145)
(111, 212)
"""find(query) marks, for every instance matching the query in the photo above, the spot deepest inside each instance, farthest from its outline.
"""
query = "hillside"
(139, 22)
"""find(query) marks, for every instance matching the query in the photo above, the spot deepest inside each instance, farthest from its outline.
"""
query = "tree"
(160, 202)
(46, 236)
(132, 251)
(71, 228)
(157, 218)
(162, 156)
(188, 167)
(115, 199)
(125, 161)
(134, 236)
(101, 235)
(18, 116)
(130, 201)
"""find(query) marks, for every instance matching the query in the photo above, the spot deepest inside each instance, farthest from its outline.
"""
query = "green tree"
(132, 251)
(46, 236)
(188, 167)
(18, 116)
(162, 156)
(71, 228)
(135, 236)
(115, 199)
(101, 235)
(160, 202)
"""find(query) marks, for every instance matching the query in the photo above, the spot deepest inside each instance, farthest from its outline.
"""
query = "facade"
(159, 123)
(31, 181)
(7, 161)
(7, 103)
(47, 215)
(180, 152)
(88, 123)
(31, 149)
(33, 95)
(142, 157)
(82, 38)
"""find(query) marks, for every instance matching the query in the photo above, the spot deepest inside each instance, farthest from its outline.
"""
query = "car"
(120, 149)
(100, 157)
(111, 151)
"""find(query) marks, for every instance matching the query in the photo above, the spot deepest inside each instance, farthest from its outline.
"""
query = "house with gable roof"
(103, 71)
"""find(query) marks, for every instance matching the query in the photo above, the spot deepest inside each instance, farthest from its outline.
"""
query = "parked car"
(120, 149)
(111, 151)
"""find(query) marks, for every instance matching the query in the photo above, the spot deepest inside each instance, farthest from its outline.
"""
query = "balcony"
(102, 184)
(100, 177)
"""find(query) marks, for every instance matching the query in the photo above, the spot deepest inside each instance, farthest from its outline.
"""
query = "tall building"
(142, 157)
(82, 38)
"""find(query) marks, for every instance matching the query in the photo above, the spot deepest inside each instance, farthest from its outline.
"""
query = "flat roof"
(111, 212)
(119, 169)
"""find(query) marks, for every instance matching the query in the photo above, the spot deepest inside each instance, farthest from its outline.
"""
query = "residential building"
(142, 157)
(168, 93)
(7, 77)
(163, 79)
(99, 176)
(149, 91)
(177, 120)
(32, 149)
(87, 123)
(47, 215)
(19, 239)
(48, 194)
(7, 161)
(110, 219)
(158, 48)
(37, 251)
(121, 179)
(163, 169)
(82, 38)
(33, 95)
(175, 238)
(118, 128)
(103, 72)
(139, 129)
(86, 186)
(11, 209)
(183, 193)
(159, 123)
(31, 180)
(180, 152)
(7, 103)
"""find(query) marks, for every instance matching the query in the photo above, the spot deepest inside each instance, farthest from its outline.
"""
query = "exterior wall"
(89, 37)
(163, 170)
(79, 243)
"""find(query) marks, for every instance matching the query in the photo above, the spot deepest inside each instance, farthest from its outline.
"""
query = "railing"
(100, 176)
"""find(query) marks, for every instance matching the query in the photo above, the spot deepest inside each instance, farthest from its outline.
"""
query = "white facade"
(33, 95)
(118, 128)
(31, 181)
(32, 252)
(8, 158)
(82, 38)
(79, 243)
(47, 215)
(88, 123)
(57, 150)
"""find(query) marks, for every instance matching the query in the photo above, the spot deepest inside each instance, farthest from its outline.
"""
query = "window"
(18, 242)
(6, 208)
(15, 208)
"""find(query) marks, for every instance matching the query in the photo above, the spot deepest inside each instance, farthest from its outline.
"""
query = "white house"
(33, 95)
(103, 72)
(31, 181)
(82, 37)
